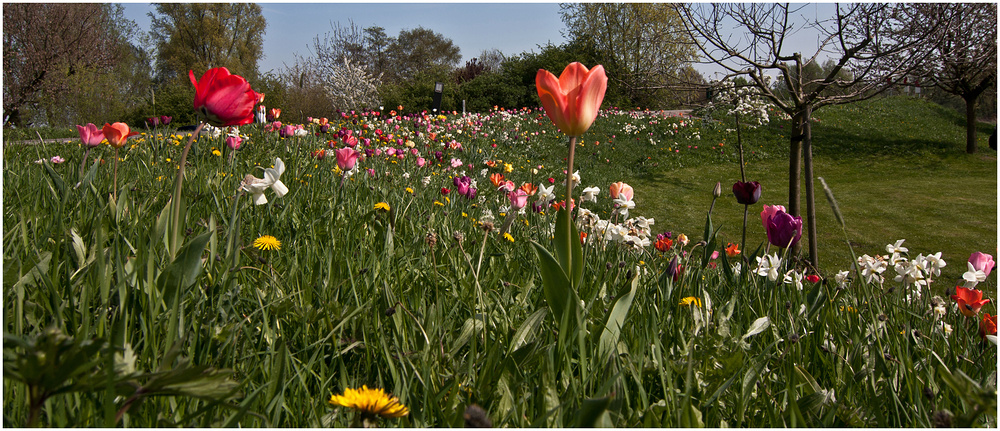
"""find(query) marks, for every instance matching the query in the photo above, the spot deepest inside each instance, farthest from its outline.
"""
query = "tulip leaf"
(613, 327)
(757, 327)
(568, 248)
(592, 412)
(555, 285)
(57, 181)
(530, 325)
(184, 270)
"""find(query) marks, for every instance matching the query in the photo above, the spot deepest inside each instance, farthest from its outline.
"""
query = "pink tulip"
(982, 262)
(621, 188)
(223, 99)
(347, 158)
(572, 100)
(234, 142)
(518, 199)
(421, 162)
(769, 211)
(90, 135)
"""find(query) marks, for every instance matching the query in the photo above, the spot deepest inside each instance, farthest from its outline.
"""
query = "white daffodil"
(575, 178)
(933, 264)
(255, 186)
(590, 194)
(768, 265)
(794, 278)
(973, 277)
(545, 194)
(841, 278)
(896, 248)
(274, 176)
(622, 205)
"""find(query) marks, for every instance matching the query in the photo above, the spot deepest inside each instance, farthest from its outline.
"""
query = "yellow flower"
(216, 152)
(371, 402)
(382, 206)
(438, 204)
(691, 300)
(507, 167)
(267, 242)
(409, 190)
(508, 237)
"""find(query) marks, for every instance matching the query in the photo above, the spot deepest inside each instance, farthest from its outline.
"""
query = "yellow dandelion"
(168, 159)
(409, 190)
(216, 152)
(508, 237)
(267, 242)
(382, 206)
(691, 300)
(371, 402)
(507, 167)
(438, 204)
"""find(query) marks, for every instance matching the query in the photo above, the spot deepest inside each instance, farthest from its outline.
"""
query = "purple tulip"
(747, 193)
(165, 120)
(783, 230)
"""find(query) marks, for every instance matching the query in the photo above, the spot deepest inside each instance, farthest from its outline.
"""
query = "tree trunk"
(970, 122)
(795, 167)
(810, 196)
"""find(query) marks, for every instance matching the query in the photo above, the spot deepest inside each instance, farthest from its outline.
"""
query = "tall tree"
(45, 43)
(644, 46)
(874, 42)
(965, 63)
(200, 36)
(422, 50)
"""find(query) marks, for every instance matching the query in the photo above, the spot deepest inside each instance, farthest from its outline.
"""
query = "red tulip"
(117, 134)
(90, 135)
(747, 193)
(572, 100)
(223, 99)
(969, 300)
(988, 326)
(234, 142)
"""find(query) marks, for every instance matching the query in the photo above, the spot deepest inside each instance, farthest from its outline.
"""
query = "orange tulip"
(988, 326)
(732, 250)
(572, 100)
(117, 134)
(969, 300)
(529, 188)
(496, 179)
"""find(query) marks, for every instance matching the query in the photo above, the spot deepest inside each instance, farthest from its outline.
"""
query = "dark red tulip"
(747, 193)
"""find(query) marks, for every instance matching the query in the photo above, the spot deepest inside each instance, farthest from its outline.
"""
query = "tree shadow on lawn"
(836, 141)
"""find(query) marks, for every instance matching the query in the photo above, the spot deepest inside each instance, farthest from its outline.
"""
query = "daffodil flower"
(272, 178)
(590, 194)
(973, 277)
(768, 266)
(545, 194)
(273, 175)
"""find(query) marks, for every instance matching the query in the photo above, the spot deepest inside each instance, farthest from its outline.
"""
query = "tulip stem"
(739, 142)
(569, 171)
(83, 163)
(176, 210)
(743, 242)
(116, 176)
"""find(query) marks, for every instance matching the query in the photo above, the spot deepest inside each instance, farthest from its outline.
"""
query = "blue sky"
(512, 28)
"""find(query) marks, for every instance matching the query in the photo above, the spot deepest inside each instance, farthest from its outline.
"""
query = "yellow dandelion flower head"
(508, 237)
(267, 242)
(371, 402)
(382, 206)
(409, 190)
(507, 167)
(438, 204)
(216, 152)
(691, 300)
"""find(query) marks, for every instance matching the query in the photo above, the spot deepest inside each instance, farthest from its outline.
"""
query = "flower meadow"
(396, 269)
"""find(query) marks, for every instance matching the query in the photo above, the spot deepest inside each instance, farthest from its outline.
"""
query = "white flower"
(794, 278)
(973, 277)
(737, 268)
(545, 194)
(406, 175)
(301, 132)
(590, 194)
(274, 176)
(871, 268)
(425, 181)
(944, 328)
(622, 205)
(575, 178)
(933, 264)
(897, 247)
(768, 265)
(841, 278)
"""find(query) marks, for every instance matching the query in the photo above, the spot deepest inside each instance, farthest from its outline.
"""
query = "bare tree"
(965, 63)
(874, 43)
(42, 41)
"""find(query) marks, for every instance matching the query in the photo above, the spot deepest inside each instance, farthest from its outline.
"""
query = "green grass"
(108, 322)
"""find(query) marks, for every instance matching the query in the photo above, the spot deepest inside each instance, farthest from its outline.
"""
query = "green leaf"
(556, 286)
(593, 411)
(528, 327)
(184, 270)
(757, 327)
(616, 319)
(568, 248)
